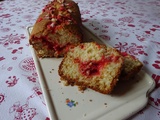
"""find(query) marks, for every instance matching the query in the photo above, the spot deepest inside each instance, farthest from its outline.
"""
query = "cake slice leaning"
(131, 67)
(92, 65)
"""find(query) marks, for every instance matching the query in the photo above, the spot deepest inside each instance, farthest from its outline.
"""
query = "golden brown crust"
(56, 27)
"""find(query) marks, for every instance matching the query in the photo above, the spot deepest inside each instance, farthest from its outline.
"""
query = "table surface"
(132, 26)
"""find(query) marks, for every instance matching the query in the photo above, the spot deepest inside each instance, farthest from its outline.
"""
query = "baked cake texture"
(131, 67)
(91, 65)
(57, 27)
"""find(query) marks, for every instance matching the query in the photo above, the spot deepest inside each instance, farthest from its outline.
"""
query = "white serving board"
(67, 103)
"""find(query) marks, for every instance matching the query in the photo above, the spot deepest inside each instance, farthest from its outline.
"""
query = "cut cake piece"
(92, 65)
(57, 27)
(131, 67)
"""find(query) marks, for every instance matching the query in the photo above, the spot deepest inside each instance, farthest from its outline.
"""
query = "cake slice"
(57, 27)
(91, 65)
(131, 67)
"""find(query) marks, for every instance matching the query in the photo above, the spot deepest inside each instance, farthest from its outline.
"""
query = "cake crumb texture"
(92, 65)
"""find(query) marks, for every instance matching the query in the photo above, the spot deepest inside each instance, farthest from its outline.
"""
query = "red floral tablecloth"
(132, 26)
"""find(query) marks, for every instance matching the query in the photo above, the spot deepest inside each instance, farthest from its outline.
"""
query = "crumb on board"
(105, 104)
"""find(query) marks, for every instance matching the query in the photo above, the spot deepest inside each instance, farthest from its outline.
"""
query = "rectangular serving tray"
(67, 103)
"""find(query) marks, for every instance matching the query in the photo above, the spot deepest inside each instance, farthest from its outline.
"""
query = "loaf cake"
(57, 27)
(91, 65)
(131, 67)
